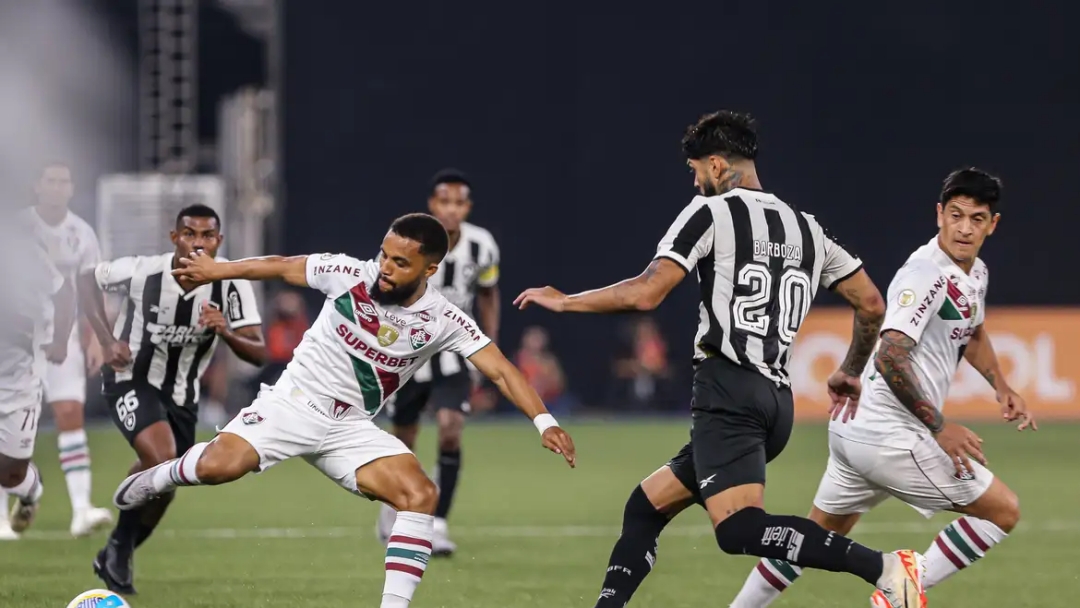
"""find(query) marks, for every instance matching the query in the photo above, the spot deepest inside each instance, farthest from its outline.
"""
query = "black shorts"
(135, 405)
(741, 421)
(449, 393)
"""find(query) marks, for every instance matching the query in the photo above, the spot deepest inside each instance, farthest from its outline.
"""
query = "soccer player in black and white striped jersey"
(469, 278)
(156, 353)
(759, 263)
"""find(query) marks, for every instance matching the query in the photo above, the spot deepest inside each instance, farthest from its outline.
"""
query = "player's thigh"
(450, 400)
(133, 407)
(18, 429)
(279, 426)
(732, 426)
(843, 491)
(367, 461)
(925, 477)
(408, 403)
(66, 382)
(184, 423)
(674, 486)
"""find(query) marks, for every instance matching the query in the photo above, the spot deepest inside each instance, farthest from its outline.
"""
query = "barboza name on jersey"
(778, 250)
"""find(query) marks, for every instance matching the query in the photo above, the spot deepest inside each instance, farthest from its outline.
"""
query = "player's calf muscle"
(399, 482)
(12, 471)
(226, 459)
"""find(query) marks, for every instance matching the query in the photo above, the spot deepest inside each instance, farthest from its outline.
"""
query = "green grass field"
(531, 532)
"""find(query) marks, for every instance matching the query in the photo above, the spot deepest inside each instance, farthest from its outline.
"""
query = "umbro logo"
(707, 481)
(367, 311)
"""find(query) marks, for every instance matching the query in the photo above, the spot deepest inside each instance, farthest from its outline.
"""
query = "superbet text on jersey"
(358, 352)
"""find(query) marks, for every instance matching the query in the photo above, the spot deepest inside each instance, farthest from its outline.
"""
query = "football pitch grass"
(531, 532)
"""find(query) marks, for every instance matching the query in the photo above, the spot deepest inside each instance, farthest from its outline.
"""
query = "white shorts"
(860, 475)
(282, 424)
(18, 430)
(67, 381)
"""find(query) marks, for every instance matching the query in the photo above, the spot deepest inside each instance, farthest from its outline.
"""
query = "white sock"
(960, 544)
(3, 503)
(30, 490)
(407, 555)
(766, 582)
(179, 471)
(75, 463)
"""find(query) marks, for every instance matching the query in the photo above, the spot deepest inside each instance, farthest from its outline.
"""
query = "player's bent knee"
(418, 495)
(740, 530)
(226, 459)
(841, 524)
(1008, 515)
(12, 472)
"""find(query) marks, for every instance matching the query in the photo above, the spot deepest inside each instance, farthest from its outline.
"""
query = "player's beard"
(395, 296)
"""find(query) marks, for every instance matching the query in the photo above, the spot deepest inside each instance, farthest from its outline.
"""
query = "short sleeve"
(335, 273)
(462, 335)
(690, 236)
(838, 264)
(91, 253)
(241, 309)
(489, 268)
(915, 294)
(115, 276)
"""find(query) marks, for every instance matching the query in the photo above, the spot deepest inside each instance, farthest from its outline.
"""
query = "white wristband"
(544, 422)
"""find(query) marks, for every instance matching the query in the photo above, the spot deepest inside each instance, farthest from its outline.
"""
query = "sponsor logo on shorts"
(251, 418)
(338, 409)
(965, 475)
(707, 481)
(419, 337)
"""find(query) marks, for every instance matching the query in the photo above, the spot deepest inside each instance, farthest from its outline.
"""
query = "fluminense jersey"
(71, 245)
(939, 306)
(29, 281)
(473, 263)
(358, 352)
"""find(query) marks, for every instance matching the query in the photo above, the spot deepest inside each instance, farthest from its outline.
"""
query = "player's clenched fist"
(559, 441)
(117, 354)
(198, 269)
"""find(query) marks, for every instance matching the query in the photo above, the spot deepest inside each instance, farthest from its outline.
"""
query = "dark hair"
(729, 134)
(426, 230)
(975, 183)
(449, 176)
(197, 210)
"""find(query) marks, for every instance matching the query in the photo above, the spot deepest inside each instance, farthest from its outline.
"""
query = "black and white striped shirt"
(160, 322)
(759, 263)
(472, 263)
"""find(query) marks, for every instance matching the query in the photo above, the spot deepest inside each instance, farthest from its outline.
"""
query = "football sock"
(179, 471)
(798, 540)
(634, 554)
(407, 556)
(447, 476)
(766, 582)
(30, 490)
(960, 544)
(75, 463)
(151, 515)
(3, 502)
(127, 528)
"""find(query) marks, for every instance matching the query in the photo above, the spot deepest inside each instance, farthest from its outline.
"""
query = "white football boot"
(137, 489)
(441, 545)
(84, 523)
(901, 581)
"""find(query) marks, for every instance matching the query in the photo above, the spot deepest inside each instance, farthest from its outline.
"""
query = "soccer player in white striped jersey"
(897, 442)
(72, 245)
(380, 322)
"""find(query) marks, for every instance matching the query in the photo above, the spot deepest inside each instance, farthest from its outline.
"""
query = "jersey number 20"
(750, 311)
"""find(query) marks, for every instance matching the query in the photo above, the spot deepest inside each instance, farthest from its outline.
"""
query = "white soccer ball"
(98, 598)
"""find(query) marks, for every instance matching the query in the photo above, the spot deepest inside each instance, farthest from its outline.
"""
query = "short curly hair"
(725, 133)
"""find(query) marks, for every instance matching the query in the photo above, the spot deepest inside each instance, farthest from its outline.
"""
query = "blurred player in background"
(157, 351)
(379, 323)
(759, 263)
(469, 278)
(37, 312)
(897, 442)
(72, 246)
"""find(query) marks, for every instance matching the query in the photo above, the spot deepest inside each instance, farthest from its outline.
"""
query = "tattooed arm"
(864, 297)
(893, 362)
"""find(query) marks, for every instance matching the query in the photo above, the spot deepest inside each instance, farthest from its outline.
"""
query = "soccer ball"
(98, 598)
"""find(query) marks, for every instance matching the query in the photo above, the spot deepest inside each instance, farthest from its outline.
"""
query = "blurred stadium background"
(310, 125)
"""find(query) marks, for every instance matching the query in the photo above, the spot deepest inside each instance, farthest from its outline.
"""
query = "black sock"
(634, 553)
(150, 515)
(797, 540)
(449, 467)
(127, 526)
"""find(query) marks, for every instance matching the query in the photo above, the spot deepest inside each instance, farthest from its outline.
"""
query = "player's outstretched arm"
(643, 292)
(64, 310)
(980, 354)
(492, 363)
(201, 269)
